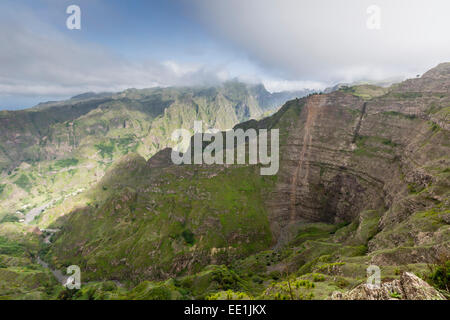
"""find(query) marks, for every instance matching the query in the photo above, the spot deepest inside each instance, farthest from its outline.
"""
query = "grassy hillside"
(54, 151)
(363, 180)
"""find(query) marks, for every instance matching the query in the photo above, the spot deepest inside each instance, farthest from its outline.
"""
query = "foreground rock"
(408, 287)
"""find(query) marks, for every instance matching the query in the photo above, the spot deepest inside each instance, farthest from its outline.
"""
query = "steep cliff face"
(318, 180)
(344, 155)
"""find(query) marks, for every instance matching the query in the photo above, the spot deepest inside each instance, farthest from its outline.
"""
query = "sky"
(284, 44)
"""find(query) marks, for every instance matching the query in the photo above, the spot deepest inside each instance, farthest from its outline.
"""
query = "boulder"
(408, 287)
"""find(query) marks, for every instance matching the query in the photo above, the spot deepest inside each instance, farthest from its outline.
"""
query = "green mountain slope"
(364, 179)
(58, 149)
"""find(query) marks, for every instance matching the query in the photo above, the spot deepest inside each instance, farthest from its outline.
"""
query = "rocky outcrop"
(161, 159)
(408, 287)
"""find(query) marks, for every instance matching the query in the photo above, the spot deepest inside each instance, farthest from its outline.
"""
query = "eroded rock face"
(161, 159)
(344, 154)
(320, 179)
(408, 287)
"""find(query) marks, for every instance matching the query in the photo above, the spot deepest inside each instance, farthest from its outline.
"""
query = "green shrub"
(317, 277)
(399, 114)
(275, 275)
(10, 248)
(396, 295)
(109, 286)
(158, 293)
(66, 163)
(439, 275)
(67, 294)
(257, 279)
(342, 283)
(9, 218)
(105, 150)
(23, 182)
(228, 295)
(188, 236)
(434, 127)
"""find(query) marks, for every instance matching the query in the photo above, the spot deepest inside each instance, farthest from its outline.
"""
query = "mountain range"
(58, 149)
(364, 181)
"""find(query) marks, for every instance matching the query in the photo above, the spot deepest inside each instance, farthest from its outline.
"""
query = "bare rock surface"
(408, 287)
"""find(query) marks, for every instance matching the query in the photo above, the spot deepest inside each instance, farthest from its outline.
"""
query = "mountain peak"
(442, 70)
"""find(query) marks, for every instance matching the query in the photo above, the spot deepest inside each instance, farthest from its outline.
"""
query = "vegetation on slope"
(371, 187)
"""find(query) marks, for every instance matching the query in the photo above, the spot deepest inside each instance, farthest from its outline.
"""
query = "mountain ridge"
(67, 146)
(347, 195)
(363, 180)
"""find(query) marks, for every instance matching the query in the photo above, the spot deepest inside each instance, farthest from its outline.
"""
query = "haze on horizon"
(284, 44)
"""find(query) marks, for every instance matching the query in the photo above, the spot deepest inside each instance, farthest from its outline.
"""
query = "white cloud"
(49, 63)
(285, 44)
(328, 41)
(38, 60)
(285, 85)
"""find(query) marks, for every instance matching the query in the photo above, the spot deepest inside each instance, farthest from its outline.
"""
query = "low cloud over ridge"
(328, 40)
